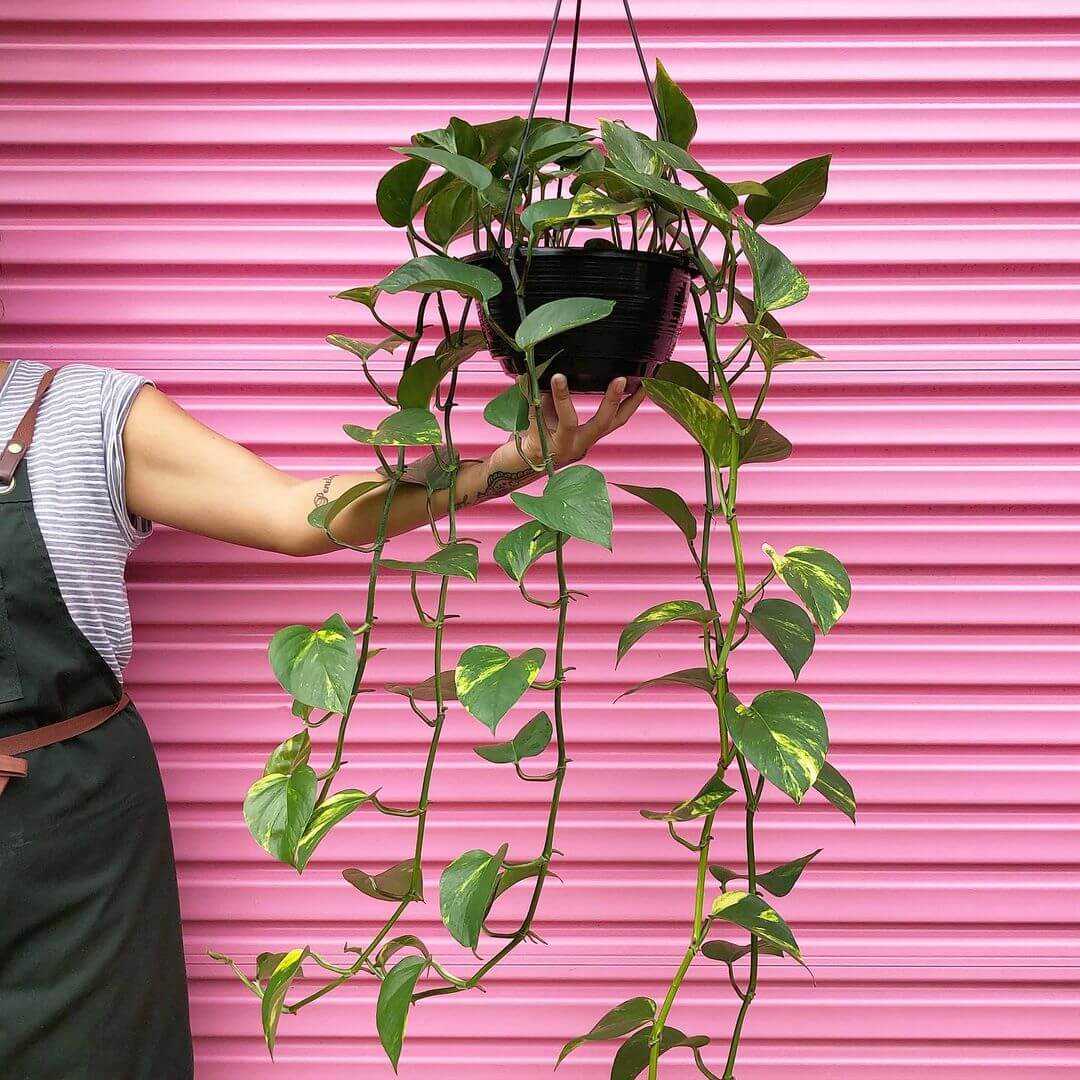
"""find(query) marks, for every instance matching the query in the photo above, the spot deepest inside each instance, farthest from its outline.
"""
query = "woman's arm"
(180, 473)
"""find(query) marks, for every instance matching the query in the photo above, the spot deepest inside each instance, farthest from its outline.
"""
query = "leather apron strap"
(11, 765)
(15, 450)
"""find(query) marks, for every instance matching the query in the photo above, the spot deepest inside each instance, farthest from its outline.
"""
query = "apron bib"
(92, 982)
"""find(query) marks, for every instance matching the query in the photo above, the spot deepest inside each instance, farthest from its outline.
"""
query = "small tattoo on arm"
(502, 483)
(323, 497)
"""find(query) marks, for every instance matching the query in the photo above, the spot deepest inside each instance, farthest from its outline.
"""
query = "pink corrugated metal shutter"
(182, 186)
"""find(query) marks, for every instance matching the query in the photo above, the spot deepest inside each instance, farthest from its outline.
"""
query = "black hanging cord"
(570, 77)
(661, 128)
(528, 123)
(644, 69)
(573, 62)
(519, 160)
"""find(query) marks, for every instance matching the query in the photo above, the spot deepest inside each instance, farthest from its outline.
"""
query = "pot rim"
(668, 257)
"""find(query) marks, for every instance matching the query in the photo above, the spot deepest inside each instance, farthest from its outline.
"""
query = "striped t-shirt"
(76, 471)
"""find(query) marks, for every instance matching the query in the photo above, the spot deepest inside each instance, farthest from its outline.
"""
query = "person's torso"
(75, 468)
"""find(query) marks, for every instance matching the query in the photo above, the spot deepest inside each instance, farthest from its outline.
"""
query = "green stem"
(373, 574)
(559, 676)
(755, 944)
(717, 498)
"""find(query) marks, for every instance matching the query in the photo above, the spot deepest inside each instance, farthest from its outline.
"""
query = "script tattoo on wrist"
(323, 497)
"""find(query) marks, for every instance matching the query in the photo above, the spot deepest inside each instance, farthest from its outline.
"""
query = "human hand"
(568, 439)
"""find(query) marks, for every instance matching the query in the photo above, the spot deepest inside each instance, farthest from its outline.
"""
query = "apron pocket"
(10, 684)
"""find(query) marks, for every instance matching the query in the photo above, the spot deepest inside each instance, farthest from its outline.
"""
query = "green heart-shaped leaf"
(723, 193)
(408, 427)
(396, 191)
(531, 740)
(425, 691)
(703, 420)
(395, 999)
(780, 880)
(727, 952)
(763, 443)
(783, 735)
(836, 789)
(761, 319)
(753, 914)
(418, 382)
(713, 794)
(544, 213)
(591, 204)
(362, 294)
(266, 963)
(508, 411)
(455, 350)
(792, 193)
(749, 187)
(277, 986)
(698, 678)
(288, 756)
(434, 273)
(680, 120)
(395, 945)
(471, 172)
(632, 1058)
(392, 885)
(317, 667)
(675, 197)
(667, 502)
(660, 615)
(519, 549)
(489, 681)
(629, 149)
(776, 349)
(787, 628)
(724, 874)
(364, 349)
(277, 809)
(558, 316)
(466, 890)
(552, 141)
(675, 156)
(575, 501)
(450, 213)
(777, 282)
(322, 517)
(431, 471)
(818, 579)
(453, 560)
(336, 808)
(616, 1022)
(674, 371)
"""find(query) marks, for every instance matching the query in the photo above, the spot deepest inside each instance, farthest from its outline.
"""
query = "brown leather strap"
(15, 450)
(36, 738)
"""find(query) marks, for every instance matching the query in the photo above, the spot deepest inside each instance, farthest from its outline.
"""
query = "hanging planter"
(649, 290)
(578, 250)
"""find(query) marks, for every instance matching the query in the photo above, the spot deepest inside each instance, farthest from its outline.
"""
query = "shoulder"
(104, 382)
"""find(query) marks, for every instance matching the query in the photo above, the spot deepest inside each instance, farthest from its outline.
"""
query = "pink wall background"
(182, 186)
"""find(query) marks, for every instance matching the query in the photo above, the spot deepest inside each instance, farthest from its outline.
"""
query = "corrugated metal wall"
(183, 185)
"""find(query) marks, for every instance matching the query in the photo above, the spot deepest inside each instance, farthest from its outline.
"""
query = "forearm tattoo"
(500, 483)
(323, 497)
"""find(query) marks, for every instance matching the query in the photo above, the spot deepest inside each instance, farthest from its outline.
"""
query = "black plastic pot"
(649, 289)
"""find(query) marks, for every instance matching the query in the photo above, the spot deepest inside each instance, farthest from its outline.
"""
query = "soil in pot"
(650, 291)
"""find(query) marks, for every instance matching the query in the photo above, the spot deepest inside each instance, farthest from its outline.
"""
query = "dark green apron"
(92, 983)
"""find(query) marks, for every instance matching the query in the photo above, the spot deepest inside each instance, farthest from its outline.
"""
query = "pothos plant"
(547, 182)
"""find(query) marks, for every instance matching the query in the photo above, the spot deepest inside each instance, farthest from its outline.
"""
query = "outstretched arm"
(183, 474)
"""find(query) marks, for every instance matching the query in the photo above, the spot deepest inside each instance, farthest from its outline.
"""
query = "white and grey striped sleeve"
(118, 392)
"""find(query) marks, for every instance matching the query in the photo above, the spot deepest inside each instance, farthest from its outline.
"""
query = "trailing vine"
(633, 193)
